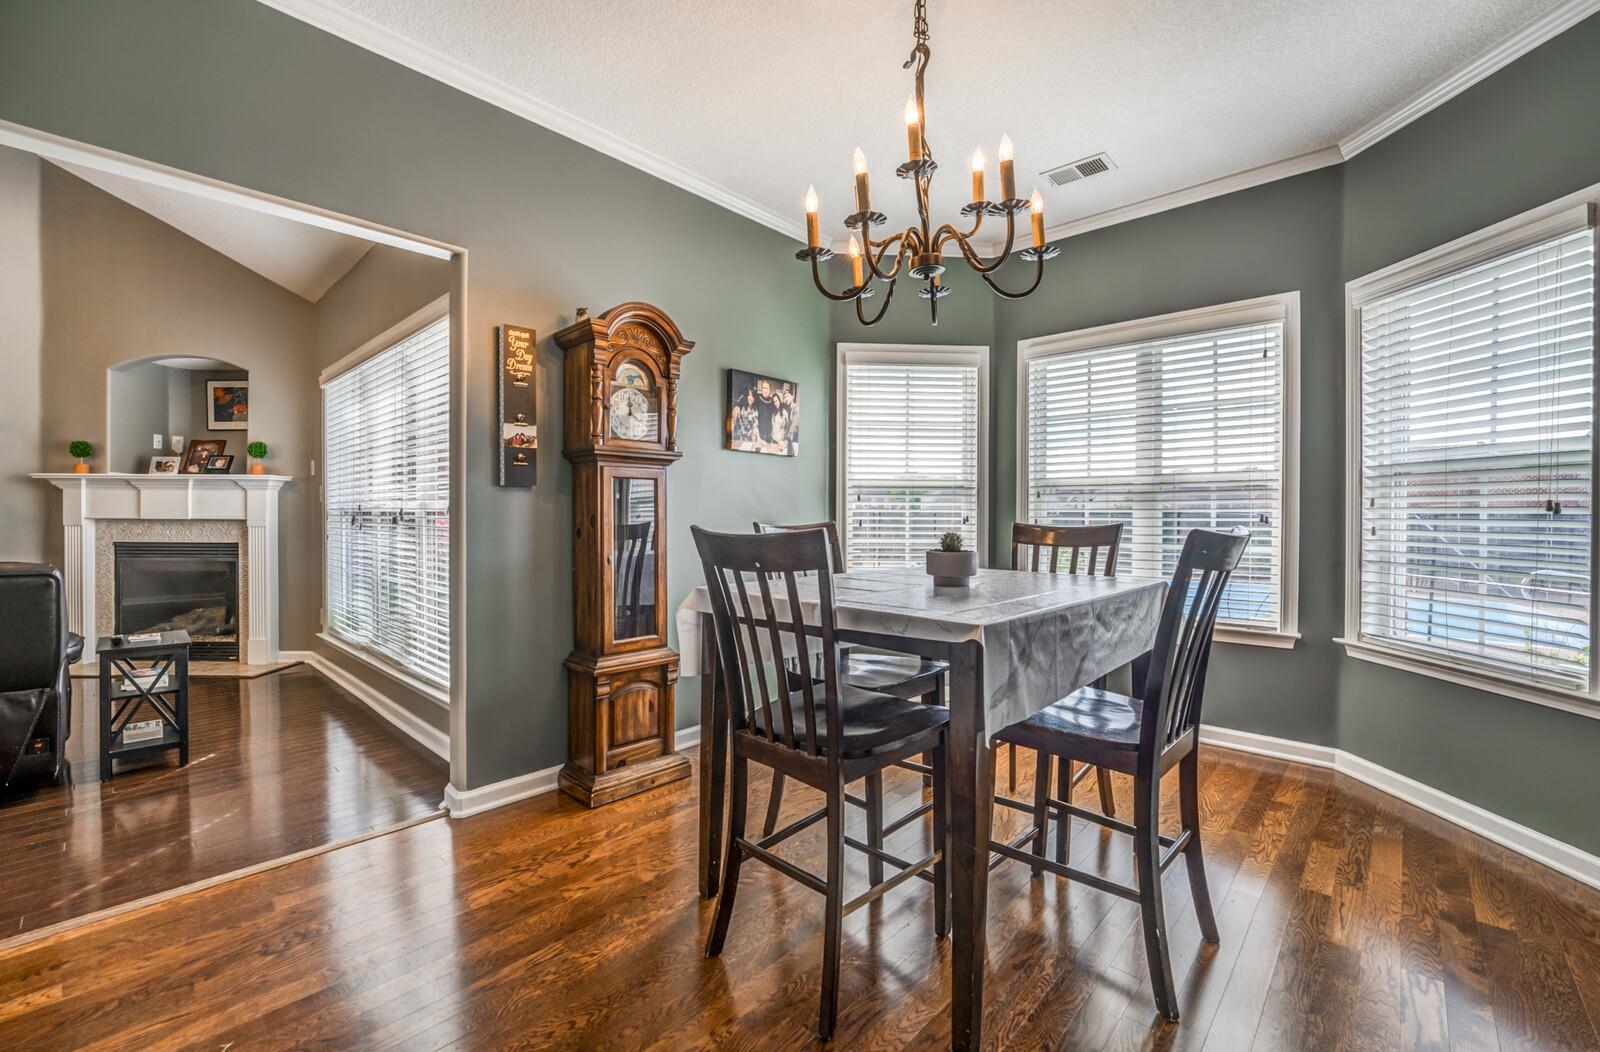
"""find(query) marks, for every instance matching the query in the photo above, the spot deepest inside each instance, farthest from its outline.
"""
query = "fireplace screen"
(193, 587)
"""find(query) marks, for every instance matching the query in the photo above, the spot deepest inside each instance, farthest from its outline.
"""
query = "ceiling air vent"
(1081, 169)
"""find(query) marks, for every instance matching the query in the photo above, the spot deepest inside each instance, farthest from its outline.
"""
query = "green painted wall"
(234, 90)
(1523, 137)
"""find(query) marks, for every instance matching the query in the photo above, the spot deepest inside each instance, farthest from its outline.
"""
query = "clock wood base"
(596, 790)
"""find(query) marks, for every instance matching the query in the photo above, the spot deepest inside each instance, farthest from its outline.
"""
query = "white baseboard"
(463, 803)
(1546, 850)
(428, 736)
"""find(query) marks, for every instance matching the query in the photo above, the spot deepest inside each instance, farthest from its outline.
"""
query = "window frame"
(910, 354)
(1281, 307)
(400, 331)
(1566, 214)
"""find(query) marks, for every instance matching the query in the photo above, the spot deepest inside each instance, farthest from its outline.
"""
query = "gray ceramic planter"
(952, 568)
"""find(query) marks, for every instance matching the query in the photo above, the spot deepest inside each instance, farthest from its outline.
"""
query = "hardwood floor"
(277, 765)
(1348, 920)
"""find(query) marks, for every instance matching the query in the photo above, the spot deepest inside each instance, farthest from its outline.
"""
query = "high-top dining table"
(1015, 641)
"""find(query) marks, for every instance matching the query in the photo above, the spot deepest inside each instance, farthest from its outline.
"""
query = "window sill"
(1407, 661)
(405, 679)
(1256, 637)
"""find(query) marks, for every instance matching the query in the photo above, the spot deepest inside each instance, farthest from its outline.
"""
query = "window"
(1472, 458)
(1167, 425)
(912, 438)
(386, 501)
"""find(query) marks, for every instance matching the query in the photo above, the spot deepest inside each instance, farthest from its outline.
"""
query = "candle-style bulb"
(811, 200)
(855, 263)
(977, 159)
(912, 115)
(860, 160)
(813, 228)
(1036, 202)
(1005, 148)
(855, 247)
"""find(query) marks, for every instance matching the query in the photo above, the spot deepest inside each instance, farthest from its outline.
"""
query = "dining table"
(1015, 642)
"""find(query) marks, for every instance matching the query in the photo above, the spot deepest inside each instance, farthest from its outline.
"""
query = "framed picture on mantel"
(517, 432)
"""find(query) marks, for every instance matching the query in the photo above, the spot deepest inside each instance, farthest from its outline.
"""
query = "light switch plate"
(155, 441)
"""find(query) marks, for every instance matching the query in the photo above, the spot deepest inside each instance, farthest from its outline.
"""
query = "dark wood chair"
(632, 555)
(901, 675)
(1144, 736)
(1090, 550)
(822, 732)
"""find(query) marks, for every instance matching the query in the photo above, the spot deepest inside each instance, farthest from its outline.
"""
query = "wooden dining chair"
(822, 732)
(901, 675)
(1145, 736)
(1090, 550)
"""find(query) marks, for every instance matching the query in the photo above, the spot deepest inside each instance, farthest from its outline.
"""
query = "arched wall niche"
(156, 404)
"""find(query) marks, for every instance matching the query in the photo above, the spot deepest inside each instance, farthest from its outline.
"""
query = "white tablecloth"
(1043, 635)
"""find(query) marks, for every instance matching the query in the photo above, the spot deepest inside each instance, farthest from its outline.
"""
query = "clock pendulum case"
(620, 433)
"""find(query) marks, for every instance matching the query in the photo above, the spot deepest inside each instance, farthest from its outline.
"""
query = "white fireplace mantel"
(252, 499)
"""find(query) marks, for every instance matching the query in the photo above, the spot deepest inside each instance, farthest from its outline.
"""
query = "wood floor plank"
(1348, 921)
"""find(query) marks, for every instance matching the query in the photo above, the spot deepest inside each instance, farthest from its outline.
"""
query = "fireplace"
(162, 587)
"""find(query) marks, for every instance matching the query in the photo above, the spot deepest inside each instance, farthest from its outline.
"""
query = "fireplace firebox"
(164, 587)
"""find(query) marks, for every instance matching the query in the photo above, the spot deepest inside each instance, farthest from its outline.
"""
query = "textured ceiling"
(304, 259)
(763, 98)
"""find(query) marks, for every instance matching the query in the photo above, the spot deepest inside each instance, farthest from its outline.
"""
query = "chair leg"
(774, 805)
(1041, 806)
(941, 842)
(1146, 864)
(933, 697)
(875, 827)
(833, 919)
(1064, 794)
(738, 799)
(1012, 750)
(1189, 804)
(1108, 804)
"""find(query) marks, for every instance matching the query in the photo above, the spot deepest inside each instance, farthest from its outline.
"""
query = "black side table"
(166, 699)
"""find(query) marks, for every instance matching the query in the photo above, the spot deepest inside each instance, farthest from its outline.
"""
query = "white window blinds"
(1477, 392)
(1167, 435)
(386, 485)
(912, 424)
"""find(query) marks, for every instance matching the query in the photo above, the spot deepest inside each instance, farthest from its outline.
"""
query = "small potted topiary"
(950, 564)
(258, 453)
(83, 451)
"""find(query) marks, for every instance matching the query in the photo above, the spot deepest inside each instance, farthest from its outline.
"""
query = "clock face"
(630, 414)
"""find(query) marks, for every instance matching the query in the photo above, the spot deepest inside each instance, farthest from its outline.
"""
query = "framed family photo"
(763, 414)
(197, 458)
(227, 405)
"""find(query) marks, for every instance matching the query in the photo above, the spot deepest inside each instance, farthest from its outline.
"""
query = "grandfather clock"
(621, 436)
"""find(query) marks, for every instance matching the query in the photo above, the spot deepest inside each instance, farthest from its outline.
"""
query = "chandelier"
(919, 249)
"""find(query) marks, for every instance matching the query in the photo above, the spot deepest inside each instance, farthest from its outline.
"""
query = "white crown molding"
(1552, 23)
(367, 34)
(1227, 184)
(1513, 836)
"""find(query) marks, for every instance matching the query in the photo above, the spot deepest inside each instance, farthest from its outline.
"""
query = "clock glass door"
(633, 586)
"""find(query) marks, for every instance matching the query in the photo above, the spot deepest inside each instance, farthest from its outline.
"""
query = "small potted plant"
(83, 451)
(258, 453)
(950, 564)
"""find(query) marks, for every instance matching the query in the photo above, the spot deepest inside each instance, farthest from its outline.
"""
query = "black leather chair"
(35, 690)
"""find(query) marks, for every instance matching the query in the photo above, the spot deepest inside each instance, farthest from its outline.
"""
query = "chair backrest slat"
(802, 711)
(1175, 672)
(1075, 541)
(829, 530)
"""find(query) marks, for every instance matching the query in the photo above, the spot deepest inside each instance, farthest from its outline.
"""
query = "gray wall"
(24, 504)
(387, 286)
(136, 410)
(233, 90)
(1523, 137)
(121, 286)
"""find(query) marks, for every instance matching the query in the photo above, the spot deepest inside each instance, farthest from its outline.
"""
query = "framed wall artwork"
(227, 405)
(518, 432)
(763, 414)
(200, 452)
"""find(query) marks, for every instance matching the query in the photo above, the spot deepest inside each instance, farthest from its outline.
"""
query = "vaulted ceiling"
(747, 103)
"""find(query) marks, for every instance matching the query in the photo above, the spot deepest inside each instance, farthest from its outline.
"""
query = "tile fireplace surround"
(99, 509)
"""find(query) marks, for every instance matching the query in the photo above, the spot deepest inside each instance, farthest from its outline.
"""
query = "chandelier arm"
(883, 246)
(861, 315)
(837, 297)
(1038, 276)
(974, 260)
